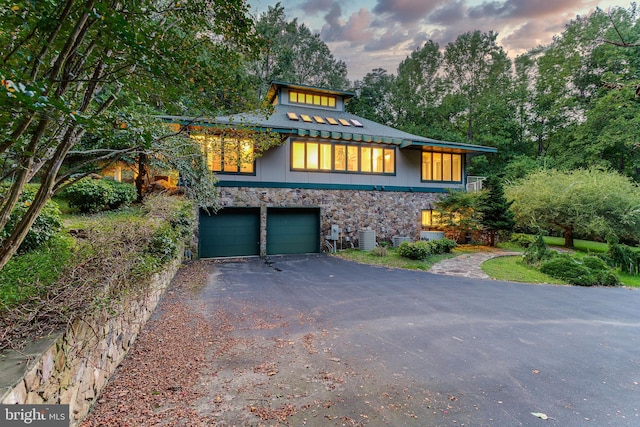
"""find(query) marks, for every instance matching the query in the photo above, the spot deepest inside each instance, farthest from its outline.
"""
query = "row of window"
(327, 157)
(235, 155)
(312, 99)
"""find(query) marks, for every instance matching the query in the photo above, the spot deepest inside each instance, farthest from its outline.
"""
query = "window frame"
(223, 142)
(342, 164)
(435, 169)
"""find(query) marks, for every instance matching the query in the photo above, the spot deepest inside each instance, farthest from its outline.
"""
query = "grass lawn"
(579, 245)
(512, 269)
(392, 259)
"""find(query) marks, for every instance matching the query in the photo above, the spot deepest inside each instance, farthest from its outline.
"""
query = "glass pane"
(365, 162)
(352, 158)
(309, 99)
(426, 218)
(324, 101)
(332, 102)
(312, 155)
(297, 155)
(230, 156)
(437, 166)
(293, 96)
(446, 167)
(457, 167)
(316, 99)
(389, 161)
(340, 161)
(378, 158)
(246, 153)
(325, 156)
(427, 173)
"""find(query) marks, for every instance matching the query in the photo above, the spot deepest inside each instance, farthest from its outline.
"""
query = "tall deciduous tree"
(291, 52)
(587, 203)
(65, 66)
(374, 97)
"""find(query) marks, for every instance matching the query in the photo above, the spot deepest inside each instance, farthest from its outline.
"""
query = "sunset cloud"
(369, 34)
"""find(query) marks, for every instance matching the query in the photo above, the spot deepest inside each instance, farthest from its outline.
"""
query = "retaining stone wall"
(74, 366)
(388, 213)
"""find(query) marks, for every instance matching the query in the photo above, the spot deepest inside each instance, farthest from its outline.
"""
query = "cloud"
(315, 6)
(449, 14)
(406, 11)
(355, 31)
(528, 9)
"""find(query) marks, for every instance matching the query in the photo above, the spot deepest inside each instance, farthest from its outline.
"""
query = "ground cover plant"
(112, 257)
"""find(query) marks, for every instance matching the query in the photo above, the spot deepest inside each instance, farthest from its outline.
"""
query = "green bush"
(95, 195)
(589, 271)
(565, 268)
(122, 193)
(47, 224)
(414, 250)
(595, 263)
(537, 252)
(522, 240)
(624, 257)
(183, 219)
(164, 243)
(380, 251)
(442, 246)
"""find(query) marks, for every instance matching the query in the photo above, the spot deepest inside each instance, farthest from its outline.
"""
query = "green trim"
(319, 186)
(452, 145)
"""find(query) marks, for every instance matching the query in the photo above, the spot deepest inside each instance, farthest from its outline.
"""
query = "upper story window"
(341, 158)
(443, 167)
(312, 99)
(227, 154)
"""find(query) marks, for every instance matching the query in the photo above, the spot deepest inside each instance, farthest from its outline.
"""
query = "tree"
(291, 52)
(587, 203)
(69, 66)
(476, 67)
(494, 209)
(373, 97)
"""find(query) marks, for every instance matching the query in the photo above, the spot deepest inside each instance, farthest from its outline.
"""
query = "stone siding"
(74, 366)
(388, 213)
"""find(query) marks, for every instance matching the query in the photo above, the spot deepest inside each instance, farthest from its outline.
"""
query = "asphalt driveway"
(322, 341)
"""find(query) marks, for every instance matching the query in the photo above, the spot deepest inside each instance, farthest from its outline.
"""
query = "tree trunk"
(142, 173)
(568, 236)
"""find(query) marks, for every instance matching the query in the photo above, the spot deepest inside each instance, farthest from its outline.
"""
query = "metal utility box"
(366, 240)
(335, 232)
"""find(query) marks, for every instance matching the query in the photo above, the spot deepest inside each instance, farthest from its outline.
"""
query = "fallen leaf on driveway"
(540, 415)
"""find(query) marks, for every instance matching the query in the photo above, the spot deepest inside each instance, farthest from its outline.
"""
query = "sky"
(368, 34)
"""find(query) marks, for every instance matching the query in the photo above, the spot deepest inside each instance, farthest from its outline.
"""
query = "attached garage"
(293, 230)
(230, 232)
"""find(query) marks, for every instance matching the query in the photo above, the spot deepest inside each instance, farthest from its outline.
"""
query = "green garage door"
(293, 230)
(230, 232)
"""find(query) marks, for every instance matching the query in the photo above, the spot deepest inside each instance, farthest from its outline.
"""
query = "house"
(334, 176)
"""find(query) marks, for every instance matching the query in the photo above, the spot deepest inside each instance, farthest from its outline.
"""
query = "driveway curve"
(317, 340)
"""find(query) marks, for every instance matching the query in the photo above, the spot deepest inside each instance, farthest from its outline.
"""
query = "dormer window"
(298, 97)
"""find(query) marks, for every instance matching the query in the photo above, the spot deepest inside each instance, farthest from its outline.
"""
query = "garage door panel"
(230, 232)
(293, 231)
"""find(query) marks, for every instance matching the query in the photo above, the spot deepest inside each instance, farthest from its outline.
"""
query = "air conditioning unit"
(397, 240)
(366, 240)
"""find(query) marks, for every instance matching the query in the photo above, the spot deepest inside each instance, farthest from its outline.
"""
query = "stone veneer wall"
(73, 366)
(388, 213)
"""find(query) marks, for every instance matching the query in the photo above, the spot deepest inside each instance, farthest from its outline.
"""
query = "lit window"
(292, 116)
(343, 122)
(332, 121)
(305, 118)
(227, 154)
(443, 167)
(327, 157)
(356, 123)
(312, 99)
(431, 219)
(318, 119)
